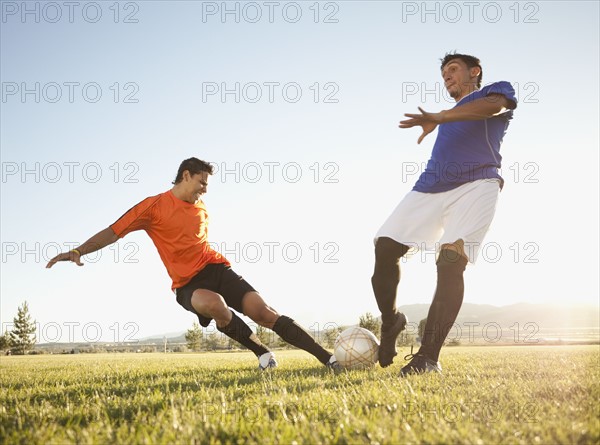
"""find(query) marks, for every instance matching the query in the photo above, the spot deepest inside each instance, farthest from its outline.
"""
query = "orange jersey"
(179, 231)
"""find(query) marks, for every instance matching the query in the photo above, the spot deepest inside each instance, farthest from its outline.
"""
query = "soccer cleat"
(334, 365)
(420, 364)
(389, 334)
(267, 361)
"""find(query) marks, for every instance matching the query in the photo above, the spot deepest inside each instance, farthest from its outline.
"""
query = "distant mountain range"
(546, 317)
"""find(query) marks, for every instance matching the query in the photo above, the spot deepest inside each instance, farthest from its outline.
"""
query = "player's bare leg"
(444, 309)
(386, 277)
(255, 307)
(212, 305)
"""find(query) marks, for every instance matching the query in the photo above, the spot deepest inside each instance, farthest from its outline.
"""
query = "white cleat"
(267, 361)
(334, 365)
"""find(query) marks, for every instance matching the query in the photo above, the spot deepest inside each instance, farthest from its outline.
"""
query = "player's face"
(196, 186)
(459, 79)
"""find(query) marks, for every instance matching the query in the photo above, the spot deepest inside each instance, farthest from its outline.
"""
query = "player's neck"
(179, 193)
(470, 89)
(468, 92)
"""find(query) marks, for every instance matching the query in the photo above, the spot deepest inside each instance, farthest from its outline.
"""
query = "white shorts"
(425, 221)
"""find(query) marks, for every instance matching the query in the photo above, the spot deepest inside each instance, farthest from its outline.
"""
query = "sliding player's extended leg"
(255, 307)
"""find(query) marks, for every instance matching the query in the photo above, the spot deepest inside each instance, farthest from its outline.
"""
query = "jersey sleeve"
(504, 88)
(139, 217)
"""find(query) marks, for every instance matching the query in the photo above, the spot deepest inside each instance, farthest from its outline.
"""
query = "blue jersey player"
(449, 209)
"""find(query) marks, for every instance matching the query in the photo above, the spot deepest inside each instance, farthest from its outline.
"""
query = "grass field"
(487, 395)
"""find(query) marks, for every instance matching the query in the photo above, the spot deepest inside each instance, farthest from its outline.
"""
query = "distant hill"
(549, 321)
(545, 316)
(173, 337)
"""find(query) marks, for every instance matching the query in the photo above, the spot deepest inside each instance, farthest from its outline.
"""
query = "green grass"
(487, 395)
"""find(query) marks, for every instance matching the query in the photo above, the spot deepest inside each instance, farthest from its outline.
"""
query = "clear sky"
(297, 103)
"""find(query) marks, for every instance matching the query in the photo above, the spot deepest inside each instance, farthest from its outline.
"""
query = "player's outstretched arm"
(98, 241)
(479, 109)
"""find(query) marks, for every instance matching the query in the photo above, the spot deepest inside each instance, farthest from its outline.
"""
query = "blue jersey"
(465, 151)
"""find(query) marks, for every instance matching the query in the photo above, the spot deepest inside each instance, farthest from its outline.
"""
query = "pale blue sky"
(368, 64)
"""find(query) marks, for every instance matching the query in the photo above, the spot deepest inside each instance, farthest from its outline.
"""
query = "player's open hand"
(66, 256)
(427, 121)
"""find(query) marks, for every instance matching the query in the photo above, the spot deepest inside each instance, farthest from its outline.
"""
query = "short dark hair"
(470, 61)
(194, 166)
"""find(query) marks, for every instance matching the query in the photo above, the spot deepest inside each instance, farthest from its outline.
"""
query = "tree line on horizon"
(21, 338)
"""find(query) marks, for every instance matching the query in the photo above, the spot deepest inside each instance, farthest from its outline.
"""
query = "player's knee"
(260, 312)
(453, 253)
(387, 254)
(265, 316)
(451, 261)
(208, 304)
(389, 250)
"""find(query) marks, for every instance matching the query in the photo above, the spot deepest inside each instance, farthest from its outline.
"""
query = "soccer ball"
(356, 348)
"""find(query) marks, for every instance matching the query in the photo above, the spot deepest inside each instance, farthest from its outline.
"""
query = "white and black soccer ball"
(356, 348)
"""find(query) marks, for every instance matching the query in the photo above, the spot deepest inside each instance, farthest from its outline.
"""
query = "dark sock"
(446, 302)
(386, 275)
(241, 332)
(295, 335)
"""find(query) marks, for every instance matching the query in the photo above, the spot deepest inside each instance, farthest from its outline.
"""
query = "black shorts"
(218, 278)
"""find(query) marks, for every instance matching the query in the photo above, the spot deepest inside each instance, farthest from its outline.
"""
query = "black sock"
(241, 332)
(446, 302)
(293, 333)
(386, 275)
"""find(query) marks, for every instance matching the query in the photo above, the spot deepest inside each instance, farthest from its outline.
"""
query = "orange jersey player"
(203, 281)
